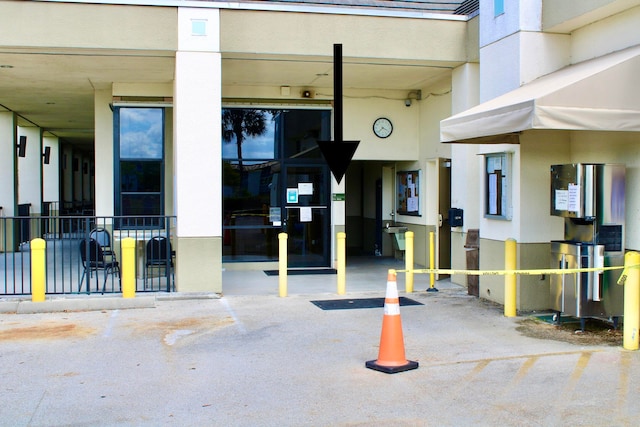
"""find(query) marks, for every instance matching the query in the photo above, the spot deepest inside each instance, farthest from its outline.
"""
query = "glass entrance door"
(307, 215)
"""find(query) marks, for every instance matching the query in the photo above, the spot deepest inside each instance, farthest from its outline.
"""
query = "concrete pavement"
(251, 358)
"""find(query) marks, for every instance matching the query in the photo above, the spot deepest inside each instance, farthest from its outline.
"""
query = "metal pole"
(631, 301)
(38, 263)
(342, 263)
(338, 129)
(128, 267)
(282, 264)
(510, 263)
(408, 261)
(432, 262)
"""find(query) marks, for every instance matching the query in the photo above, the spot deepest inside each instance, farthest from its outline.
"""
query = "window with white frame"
(497, 185)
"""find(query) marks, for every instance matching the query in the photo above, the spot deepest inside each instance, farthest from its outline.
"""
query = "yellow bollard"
(631, 301)
(128, 278)
(282, 264)
(342, 263)
(432, 262)
(510, 263)
(38, 263)
(408, 261)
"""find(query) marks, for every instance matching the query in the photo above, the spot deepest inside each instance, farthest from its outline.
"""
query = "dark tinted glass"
(302, 130)
(139, 176)
(141, 204)
(250, 193)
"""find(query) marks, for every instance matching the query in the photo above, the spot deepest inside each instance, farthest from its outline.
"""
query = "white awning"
(598, 94)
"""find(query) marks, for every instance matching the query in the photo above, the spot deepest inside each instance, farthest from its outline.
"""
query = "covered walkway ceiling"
(53, 87)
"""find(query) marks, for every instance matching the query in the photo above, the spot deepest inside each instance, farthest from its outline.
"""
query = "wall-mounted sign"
(292, 195)
(408, 194)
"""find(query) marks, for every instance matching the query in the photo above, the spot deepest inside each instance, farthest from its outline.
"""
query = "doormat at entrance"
(298, 271)
(347, 304)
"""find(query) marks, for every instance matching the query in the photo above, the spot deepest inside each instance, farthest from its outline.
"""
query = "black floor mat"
(297, 271)
(347, 304)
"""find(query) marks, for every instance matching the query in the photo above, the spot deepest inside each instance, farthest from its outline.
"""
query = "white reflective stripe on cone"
(392, 309)
(392, 290)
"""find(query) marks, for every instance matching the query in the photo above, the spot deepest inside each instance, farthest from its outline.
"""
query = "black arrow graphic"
(338, 153)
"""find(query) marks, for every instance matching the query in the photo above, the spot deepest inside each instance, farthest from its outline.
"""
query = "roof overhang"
(598, 94)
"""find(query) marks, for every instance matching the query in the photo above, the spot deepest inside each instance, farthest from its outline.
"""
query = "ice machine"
(591, 198)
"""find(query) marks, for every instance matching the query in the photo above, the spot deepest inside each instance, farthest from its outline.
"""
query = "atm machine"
(590, 198)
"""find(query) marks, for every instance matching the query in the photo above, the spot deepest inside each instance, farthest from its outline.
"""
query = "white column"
(197, 151)
(103, 178)
(51, 171)
(7, 158)
(30, 170)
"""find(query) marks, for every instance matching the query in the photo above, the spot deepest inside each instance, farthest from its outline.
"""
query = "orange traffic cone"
(391, 358)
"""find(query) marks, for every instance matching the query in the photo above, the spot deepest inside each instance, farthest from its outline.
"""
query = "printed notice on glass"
(412, 204)
(574, 198)
(562, 200)
(274, 216)
(305, 188)
(305, 214)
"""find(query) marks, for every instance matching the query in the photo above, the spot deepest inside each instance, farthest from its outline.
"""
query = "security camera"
(407, 102)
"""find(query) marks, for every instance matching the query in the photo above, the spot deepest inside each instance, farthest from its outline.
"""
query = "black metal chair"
(102, 236)
(159, 254)
(93, 259)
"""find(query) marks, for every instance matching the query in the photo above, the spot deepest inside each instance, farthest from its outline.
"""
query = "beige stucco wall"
(198, 265)
(564, 16)
(532, 291)
(269, 33)
(615, 147)
(613, 33)
(538, 151)
(88, 26)
(360, 114)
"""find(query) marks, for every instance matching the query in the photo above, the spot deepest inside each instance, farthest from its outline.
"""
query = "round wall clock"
(382, 127)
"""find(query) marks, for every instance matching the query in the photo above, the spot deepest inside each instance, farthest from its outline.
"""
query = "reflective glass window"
(139, 160)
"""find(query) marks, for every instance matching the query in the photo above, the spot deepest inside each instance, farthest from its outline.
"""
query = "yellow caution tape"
(623, 277)
(505, 272)
(532, 272)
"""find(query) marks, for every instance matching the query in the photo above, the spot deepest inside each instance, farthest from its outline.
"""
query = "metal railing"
(69, 270)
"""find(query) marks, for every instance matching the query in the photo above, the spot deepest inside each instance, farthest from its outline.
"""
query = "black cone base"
(372, 364)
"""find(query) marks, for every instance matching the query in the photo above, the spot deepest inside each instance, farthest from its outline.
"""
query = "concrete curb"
(76, 304)
(80, 303)
(179, 296)
(9, 306)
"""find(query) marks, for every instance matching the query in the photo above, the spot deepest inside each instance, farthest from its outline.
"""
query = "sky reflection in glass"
(253, 147)
(141, 133)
